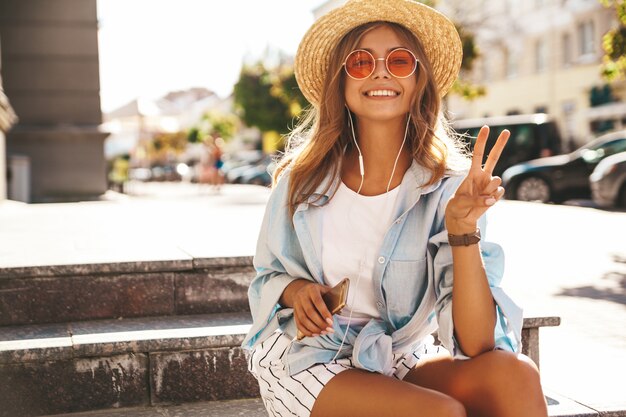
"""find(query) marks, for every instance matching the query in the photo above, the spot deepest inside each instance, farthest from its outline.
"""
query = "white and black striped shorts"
(288, 396)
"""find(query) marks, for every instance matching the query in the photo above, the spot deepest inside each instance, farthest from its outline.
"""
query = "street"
(571, 262)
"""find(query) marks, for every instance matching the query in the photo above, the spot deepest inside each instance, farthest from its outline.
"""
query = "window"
(566, 48)
(586, 38)
(541, 55)
(510, 64)
(486, 68)
(593, 154)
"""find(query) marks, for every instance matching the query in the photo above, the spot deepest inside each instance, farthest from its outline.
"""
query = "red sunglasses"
(400, 62)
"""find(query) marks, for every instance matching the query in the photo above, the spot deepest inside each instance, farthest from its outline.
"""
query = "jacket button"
(381, 260)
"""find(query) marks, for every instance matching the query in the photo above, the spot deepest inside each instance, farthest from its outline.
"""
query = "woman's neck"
(380, 143)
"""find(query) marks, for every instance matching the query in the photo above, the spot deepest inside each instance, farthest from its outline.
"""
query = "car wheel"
(533, 189)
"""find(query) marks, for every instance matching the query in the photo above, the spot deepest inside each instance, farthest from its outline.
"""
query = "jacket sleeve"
(508, 328)
(277, 262)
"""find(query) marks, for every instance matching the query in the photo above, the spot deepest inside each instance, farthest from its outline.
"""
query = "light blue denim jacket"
(412, 278)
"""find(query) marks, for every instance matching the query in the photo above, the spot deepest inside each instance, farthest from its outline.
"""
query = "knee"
(512, 369)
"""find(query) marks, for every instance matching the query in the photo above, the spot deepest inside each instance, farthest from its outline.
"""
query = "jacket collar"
(413, 182)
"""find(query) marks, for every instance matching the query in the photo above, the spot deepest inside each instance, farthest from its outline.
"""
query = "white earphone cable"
(395, 164)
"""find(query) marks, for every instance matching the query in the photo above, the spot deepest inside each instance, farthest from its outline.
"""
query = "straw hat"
(435, 31)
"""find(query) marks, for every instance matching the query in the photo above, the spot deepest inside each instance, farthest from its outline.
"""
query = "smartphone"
(335, 299)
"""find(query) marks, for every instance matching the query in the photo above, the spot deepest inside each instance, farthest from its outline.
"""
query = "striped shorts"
(289, 396)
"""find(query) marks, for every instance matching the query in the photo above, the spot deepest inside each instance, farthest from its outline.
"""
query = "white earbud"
(361, 166)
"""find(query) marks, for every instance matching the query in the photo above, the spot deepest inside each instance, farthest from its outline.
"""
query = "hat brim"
(435, 31)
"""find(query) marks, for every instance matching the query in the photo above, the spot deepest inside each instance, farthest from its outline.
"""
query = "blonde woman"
(376, 192)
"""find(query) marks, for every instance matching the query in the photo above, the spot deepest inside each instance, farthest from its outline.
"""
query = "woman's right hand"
(310, 311)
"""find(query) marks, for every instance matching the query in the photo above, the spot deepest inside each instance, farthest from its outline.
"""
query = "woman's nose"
(380, 69)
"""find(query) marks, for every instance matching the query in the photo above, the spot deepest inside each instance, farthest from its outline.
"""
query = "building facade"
(544, 56)
(50, 69)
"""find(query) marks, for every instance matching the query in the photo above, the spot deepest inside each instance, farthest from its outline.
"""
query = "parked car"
(608, 181)
(562, 177)
(164, 173)
(256, 173)
(237, 163)
(532, 136)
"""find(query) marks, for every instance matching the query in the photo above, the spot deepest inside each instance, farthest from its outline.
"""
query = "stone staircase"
(141, 339)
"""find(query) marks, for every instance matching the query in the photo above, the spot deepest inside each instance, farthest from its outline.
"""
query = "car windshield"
(601, 148)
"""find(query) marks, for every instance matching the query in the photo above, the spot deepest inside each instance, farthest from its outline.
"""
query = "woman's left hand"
(479, 190)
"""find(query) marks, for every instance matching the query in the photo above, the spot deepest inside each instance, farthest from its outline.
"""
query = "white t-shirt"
(354, 227)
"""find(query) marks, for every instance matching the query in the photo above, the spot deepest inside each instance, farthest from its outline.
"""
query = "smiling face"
(381, 96)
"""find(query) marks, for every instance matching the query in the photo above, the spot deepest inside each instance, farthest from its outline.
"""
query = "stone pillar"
(3, 168)
(3, 154)
(7, 119)
(51, 74)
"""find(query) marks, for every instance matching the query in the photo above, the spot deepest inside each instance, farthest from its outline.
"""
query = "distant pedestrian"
(218, 162)
(211, 164)
(377, 192)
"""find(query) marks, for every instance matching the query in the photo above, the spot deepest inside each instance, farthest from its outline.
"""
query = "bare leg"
(496, 383)
(365, 394)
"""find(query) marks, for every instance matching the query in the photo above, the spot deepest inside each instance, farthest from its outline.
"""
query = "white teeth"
(378, 93)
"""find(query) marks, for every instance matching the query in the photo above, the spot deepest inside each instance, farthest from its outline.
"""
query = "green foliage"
(464, 87)
(220, 125)
(468, 90)
(164, 146)
(213, 124)
(268, 97)
(614, 44)
(289, 92)
(470, 50)
(193, 136)
(119, 170)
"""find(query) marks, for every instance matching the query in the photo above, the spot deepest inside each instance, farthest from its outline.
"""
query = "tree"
(463, 86)
(268, 97)
(166, 146)
(614, 44)
(213, 124)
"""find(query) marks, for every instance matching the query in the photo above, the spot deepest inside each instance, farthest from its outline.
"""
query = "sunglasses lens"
(401, 63)
(359, 64)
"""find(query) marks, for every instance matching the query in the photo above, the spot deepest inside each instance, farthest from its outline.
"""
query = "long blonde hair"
(316, 146)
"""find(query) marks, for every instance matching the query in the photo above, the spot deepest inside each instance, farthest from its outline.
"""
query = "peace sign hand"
(479, 190)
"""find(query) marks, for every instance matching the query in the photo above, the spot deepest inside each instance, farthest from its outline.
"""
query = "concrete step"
(60, 368)
(150, 361)
(176, 286)
(558, 406)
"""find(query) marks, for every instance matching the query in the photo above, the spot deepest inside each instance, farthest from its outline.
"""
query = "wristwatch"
(464, 240)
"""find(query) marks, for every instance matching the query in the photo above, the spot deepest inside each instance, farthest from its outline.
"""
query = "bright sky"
(151, 47)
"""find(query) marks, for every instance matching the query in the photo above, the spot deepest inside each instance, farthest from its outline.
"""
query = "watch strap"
(464, 240)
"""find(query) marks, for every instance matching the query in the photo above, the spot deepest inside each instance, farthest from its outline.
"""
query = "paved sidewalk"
(561, 260)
